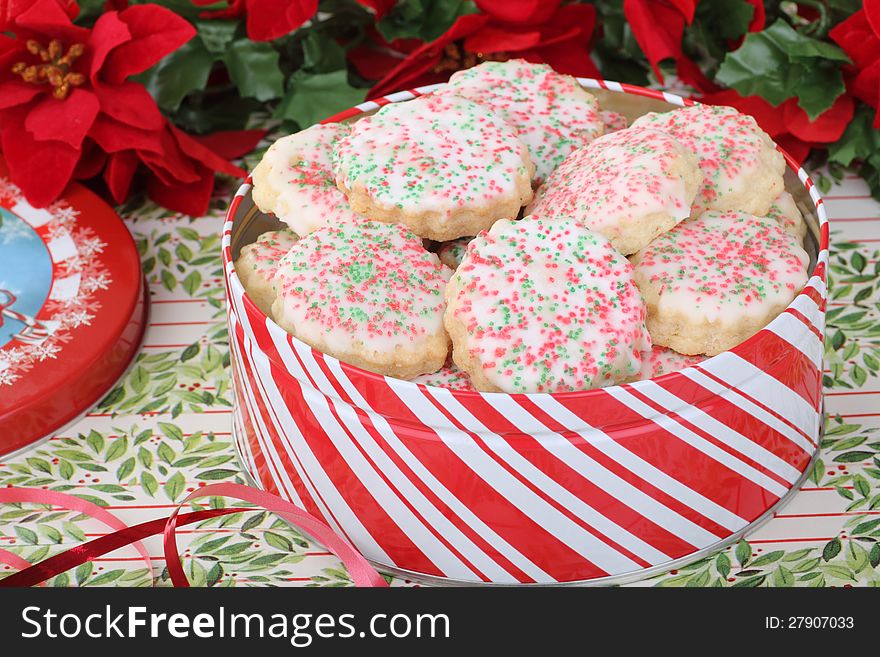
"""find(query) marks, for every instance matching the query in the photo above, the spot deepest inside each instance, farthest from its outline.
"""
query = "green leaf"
(212, 475)
(179, 73)
(751, 581)
(831, 549)
(216, 35)
(321, 53)
(168, 280)
(139, 379)
(83, 572)
(253, 67)
(313, 97)
(74, 532)
(26, 535)
(117, 448)
(171, 430)
(215, 574)
(107, 578)
(165, 453)
(192, 282)
(174, 486)
(149, 483)
(853, 457)
(782, 577)
(764, 559)
(51, 533)
(65, 469)
(858, 141)
(743, 552)
(856, 556)
(190, 352)
(125, 469)
(113, 397)
(422, 19)
(278, 542)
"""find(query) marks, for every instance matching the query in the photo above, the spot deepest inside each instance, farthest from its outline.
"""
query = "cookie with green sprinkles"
(742, 170)
(449, 376)
(368, 294)
(549, 111)
(452, 253)
(257, 263)
(613, 121)
(662, 360)
(785, 210)
(294, 182)
(714, 281)
(630, 186)
(545, 306)
(443, 165)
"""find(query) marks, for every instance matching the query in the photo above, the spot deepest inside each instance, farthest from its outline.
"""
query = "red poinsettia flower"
(538, 31)
(658, 28)
(859, 36)
(68, 109)
(788, 125)
(265, 19)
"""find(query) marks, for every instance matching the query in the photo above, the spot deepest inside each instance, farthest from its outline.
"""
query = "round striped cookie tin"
(597, 486)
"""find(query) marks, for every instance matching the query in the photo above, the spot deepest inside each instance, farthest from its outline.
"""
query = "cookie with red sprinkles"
(452, 253)
(443, 165)
(662, 360)
(257, 263)
(367, 293)
(613, 121)
(742, 169)
(714, 281)
(785, 210)
(294, 182)
(545, 306)
(449, 376)
(630, 186)
(549, 111)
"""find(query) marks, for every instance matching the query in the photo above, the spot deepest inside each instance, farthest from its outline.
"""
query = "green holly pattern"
(164, 431)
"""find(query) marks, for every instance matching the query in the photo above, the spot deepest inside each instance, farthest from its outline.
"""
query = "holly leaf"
(321, 53)
(423, 19)
(216, 35)
(253, 67)
(859, 141)
(181, 72)
(311, 98)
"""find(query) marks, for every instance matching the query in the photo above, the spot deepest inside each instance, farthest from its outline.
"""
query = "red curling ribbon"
(360, 570)
(12, 559)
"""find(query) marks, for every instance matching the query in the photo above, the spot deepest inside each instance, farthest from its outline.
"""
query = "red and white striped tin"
(595, 486)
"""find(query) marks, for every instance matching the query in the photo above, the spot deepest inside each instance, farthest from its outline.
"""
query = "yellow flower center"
(54, 69)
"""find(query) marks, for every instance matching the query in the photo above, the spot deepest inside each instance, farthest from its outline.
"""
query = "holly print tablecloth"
(165, 430)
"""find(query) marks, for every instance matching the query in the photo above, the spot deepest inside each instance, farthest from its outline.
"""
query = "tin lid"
(72, 309)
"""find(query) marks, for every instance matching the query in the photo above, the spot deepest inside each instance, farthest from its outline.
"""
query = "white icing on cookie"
(549, 111)
(660, 361)
(257, 263)
(449, 376)
(613, 121)
(294, 182)
(786, 212)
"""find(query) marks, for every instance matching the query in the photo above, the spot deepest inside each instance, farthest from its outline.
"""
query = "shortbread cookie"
(294, 181)
(630, 186)
(545, 306)
(449, 376)
(452, 253)
(257, 263)
(714, 281)
(367, 293)
(742, 169)
(613, 121)
(549, 111)
(443, 165)
(662, 360)
(786, 212)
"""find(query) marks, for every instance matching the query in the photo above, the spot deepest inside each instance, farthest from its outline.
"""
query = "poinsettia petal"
(686, 8)
(114, 136)
(49, 19)
(794, 147)
(866, 84)
(270, 19)
(109, 31)
(568, 58)
(657, 29)
(528, 12)
(172, 164)
(759, 17)
(379, 7)
(417, 68)
(67, 120)
(130, 103)
(91, 161)
(204, 155)
(155, 32)
(871, 9)
(119, 173)
(826, 128)
(16, 92)
(231, 143)
(42, 169)
(495, 38)
(187, 198)
(770, 118)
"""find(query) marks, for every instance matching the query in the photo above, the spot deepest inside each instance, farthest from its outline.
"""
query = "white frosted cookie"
(662, 360)
(545, 306)
(443, 165)
(294, 182)
(257, 263)
(786, 212)
(630, 186)
(742, 169)
(449, 376)
(613, 121)
(367, 293)
(452, 253)
(714, 281)
(549, 111)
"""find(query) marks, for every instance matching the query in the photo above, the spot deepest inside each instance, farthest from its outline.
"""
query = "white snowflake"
(45, 350)
(100, 281)
(8, 377)
(88, 246)
(9, 188)
(75, 318)
(63, 212)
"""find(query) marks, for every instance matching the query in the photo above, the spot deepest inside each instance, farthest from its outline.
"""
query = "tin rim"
(822, 239)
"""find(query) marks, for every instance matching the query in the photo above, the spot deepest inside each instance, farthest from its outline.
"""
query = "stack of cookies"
(603, 252)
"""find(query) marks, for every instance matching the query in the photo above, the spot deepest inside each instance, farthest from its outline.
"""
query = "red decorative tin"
(72, 309)
(593, 486)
